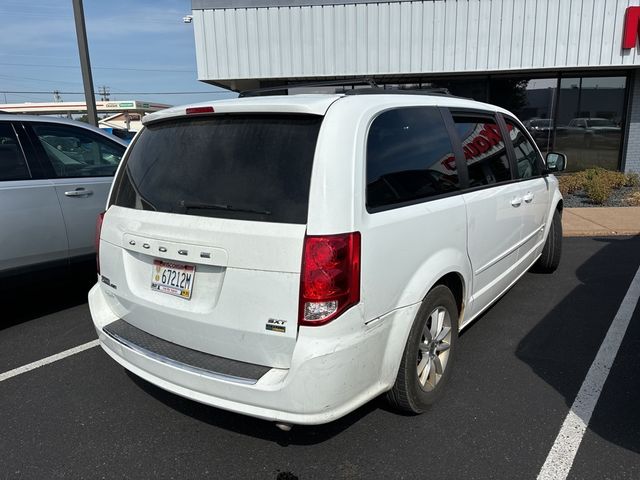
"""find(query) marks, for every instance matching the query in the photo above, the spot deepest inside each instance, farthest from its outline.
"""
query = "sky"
(134, 46)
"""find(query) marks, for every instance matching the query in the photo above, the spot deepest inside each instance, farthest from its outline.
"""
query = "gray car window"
(12, 163)
(74, 152)
(526, 155)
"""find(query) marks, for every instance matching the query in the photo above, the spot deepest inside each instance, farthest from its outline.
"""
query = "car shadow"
(255, 427)
(28, 297)
(561, 348)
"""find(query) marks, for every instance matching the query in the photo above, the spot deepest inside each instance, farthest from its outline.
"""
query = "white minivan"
(293, 257)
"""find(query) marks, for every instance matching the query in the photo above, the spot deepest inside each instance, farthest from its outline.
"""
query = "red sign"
(631, 27)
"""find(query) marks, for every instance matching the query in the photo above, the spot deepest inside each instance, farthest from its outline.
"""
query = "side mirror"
(556, 162)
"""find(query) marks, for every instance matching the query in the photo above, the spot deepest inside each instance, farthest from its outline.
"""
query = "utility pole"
(85, 65)
(104, 93)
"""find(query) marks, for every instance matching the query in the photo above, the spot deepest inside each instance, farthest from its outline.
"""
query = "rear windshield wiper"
(218, 206)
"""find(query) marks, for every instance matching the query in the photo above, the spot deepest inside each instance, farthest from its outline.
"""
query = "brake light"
(192, 110)
(99, 221)
(330, 277)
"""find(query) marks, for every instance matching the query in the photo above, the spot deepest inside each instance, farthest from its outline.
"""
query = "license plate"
(173, 278)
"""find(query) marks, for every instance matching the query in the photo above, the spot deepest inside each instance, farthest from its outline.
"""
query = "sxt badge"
(276, 325)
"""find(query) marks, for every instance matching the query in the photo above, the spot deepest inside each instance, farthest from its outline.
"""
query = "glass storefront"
(580, 116)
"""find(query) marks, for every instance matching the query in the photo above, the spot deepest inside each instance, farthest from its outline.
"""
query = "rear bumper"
(334, 369)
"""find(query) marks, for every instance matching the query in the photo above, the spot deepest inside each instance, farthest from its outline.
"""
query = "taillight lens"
(330, 277)
(195, 110)
(99, 221)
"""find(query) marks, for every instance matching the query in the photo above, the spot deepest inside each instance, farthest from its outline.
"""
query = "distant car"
(596, 131)
(541, 129)
(121, 133)
(55, 175)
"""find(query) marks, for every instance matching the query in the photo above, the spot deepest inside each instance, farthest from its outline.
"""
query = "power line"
(130, 69)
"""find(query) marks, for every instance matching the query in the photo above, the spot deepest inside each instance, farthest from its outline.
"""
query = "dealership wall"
(264, 40)
(631, 159)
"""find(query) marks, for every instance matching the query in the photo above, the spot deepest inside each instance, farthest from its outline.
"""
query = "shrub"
(597, 183)
(634, 199)
(569, 184)
(613, 178)
(633, 180)
(598, 189)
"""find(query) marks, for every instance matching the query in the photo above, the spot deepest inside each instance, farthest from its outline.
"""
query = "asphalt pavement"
(517, 373)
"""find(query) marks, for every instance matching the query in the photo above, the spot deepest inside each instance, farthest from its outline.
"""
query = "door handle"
(79, 192)
(528, 197)
(516, 202)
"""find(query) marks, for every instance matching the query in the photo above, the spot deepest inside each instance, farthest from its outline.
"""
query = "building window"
(589, 118)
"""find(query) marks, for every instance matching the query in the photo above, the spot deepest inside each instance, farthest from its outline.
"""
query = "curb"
(601, 221)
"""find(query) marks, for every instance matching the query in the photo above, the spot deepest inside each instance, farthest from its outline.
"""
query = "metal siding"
(517, 28)
(553, 34)
(586, 32)
(473, 29)
(417, 36)
(461, 34)
(201, 47)
(449, 22)
(529, 32)
(484, 35)
(437, 43)
(493, 24)
(406, 36)
(431, 36)
(608, 33)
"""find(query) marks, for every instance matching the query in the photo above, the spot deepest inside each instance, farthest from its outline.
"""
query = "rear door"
(31, 226)
(534, 191)
(222, 200)
(82, 164)
(493, 201)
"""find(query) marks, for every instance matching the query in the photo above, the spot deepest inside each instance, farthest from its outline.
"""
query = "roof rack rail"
(441, 92)
(329, 83)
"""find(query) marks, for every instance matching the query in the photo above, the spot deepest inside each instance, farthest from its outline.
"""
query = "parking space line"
(560, 458)
(45, 361)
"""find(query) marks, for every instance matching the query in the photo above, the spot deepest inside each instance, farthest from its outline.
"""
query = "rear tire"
(428, 354)
(552, 250)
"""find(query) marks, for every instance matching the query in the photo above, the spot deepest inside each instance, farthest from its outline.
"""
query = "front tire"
(427, 360)
(552, 250)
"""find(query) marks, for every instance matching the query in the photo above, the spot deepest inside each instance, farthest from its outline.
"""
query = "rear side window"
(409, 157)
(76, 152)
(239, 166)
(484, 150)
(12, 163)
(527, 157)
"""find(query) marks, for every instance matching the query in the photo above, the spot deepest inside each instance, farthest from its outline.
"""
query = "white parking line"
(563, 452)
(45, 361)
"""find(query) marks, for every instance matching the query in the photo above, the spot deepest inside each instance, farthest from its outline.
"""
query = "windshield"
(600, 123)
(241, 166)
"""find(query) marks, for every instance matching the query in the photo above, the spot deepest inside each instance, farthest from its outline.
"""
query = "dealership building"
(568, 68)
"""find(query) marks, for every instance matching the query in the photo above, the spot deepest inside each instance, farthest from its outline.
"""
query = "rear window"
(239, 166)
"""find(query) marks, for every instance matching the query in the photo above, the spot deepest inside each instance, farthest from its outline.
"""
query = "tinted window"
(250, 167)
(409, 157)
(12, 163)
(75, 152)
(484, 150)
(526, 154)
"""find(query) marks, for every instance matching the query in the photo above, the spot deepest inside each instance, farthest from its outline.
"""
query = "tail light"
(330, 277)
(97, 241)
(194, 110)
